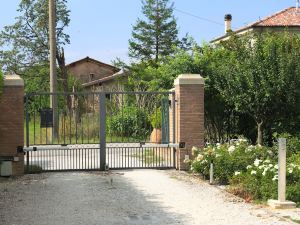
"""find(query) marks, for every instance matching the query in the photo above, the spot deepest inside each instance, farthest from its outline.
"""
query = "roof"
(119, 74)
(289, 17)
(88, 59)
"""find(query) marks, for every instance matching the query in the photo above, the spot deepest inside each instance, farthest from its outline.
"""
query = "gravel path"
(131, 197)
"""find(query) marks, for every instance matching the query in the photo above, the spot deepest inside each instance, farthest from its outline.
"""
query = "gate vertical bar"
(174, 127)
(27, 133)
(102, 105)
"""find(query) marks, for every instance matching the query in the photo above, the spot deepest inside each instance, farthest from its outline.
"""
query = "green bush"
(129, 122)
(250, 171)
(228, 159)
(155, 119)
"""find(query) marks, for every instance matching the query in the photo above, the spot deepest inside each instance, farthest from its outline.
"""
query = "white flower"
(267, 161)
(276, 167)
(249, 167)
(270, 153)
(253, 172)
(237, 173)
(231, 149)
(195, 150)
(275, 178)
(257, 162)
(203, 161)
(270, 165)
(250, 148)
(265, 171)
(260, 167)
(187, 161)
(290, 170)
(218, 145)
(199, 157)
(242, 140)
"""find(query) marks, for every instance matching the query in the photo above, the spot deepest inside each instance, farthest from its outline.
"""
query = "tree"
(25, 43)
(154, 37)
(260, 76)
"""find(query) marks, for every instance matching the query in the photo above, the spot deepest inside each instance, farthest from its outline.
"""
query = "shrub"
(129, 122)
(251, 171)
(155, 119)
(227, 159)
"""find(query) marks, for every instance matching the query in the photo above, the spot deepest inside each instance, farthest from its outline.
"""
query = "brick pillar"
(189, 90)
(12, 122)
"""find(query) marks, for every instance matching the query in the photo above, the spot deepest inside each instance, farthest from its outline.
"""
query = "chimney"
(228, 19)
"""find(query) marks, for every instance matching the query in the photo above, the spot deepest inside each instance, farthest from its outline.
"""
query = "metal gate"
(99, 131)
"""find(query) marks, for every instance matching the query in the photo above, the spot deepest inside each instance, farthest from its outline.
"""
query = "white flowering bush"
(251, 171)
(227, 159)
(260, 179)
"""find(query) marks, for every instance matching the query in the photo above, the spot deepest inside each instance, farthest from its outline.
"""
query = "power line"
(200, 18)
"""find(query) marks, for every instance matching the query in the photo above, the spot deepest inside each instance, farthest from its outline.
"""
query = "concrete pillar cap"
(189, 79)
(13, 80)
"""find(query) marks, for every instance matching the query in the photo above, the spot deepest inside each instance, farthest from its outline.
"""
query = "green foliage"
(251, 171)
(156, 119)
(154, 37)
(250, 82)
(259, 75)
(228, 159)
(129, 122)
(36, 78)
(26, 41)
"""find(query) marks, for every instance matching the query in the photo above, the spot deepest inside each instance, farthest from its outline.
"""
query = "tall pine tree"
(155, 36)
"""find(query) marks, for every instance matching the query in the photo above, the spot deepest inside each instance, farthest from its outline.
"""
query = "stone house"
(97, 76)
(285, 20)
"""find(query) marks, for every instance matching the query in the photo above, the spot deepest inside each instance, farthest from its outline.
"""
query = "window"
(92, 76)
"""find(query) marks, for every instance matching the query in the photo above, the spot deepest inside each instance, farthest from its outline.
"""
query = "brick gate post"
(189, 92)
(12, 122)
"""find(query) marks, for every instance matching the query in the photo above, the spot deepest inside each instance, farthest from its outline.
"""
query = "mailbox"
(46, 115)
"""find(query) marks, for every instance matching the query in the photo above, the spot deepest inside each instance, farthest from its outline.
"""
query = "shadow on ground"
(79, 198)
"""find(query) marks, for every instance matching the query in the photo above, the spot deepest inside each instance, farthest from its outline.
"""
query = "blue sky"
(101, 28)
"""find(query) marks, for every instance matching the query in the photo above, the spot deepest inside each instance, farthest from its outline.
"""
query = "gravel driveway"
(130, 197)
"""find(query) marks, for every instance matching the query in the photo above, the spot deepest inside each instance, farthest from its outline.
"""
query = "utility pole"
(53, 74)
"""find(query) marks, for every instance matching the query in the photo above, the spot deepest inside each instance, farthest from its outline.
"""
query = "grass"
(84, 132)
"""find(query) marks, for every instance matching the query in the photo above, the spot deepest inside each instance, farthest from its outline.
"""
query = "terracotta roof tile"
(286, 17)
(289, 17)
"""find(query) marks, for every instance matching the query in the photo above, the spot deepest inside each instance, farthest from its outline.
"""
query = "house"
(97, 76)
(287, 19)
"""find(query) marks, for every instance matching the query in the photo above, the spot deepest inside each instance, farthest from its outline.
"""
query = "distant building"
(97, 76)
(287, 19)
